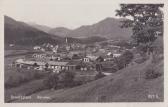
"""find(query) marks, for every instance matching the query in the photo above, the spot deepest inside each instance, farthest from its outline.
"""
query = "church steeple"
(67, 45)
(66, 40)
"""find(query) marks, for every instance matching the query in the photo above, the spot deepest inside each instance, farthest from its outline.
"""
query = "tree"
(127, 57)
(52, 81)
(146, 21)
(99, 67)
(67, 78)
(75, 56)
(35, 65)
(124, 59)
(120, 63)
(46, 66)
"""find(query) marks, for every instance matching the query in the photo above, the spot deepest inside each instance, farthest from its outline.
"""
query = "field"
(120, 87)
(24, 90)
(24, 82)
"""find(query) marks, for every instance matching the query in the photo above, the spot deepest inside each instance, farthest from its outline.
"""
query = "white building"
(36, 47)
(116, 55)
(86, 59)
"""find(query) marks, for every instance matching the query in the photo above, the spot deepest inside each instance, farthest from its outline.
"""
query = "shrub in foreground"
(51, 81)
(61, 80)
(151, 74)
(99, 75)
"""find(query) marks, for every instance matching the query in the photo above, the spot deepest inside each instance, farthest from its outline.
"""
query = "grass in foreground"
(127, 85)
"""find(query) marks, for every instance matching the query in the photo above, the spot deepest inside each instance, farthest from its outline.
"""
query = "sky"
(60, 13)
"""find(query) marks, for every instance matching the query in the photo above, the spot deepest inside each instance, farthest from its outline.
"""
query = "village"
(71, 57)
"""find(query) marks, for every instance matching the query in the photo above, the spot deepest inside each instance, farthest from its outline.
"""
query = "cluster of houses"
(46, 47)
(55, 66)
(58, 63)
(59, 48)
(39, 65)
(76, 57)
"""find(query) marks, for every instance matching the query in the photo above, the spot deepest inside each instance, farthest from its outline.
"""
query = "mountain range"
(21, 33)
(107, 28)
(61, 31)
(40, 27)
(17, 32)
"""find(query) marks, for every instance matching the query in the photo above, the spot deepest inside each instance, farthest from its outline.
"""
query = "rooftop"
(57, 63)
(23, 61)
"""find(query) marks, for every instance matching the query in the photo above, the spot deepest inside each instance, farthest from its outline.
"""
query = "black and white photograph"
(80, 51)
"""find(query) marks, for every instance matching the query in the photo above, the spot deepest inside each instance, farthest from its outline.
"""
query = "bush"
(124, 59)
(99, 75)
(140, 60)
(67, 79)
(99, 67)
(62, 80)
(120, 63)
(151, 74)
(128, 56)
(142, 48)
(51, 81)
